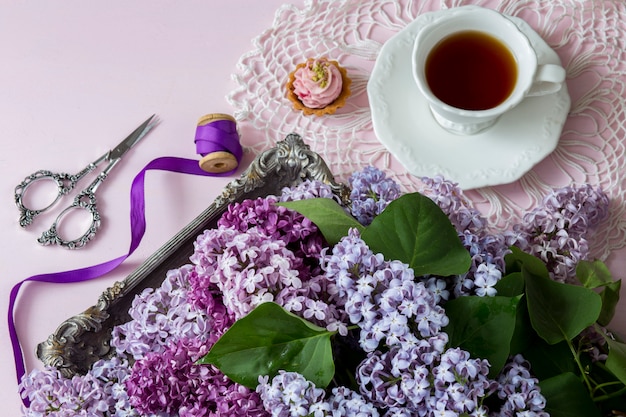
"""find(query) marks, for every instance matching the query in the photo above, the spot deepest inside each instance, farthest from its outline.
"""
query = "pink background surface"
(75, 78)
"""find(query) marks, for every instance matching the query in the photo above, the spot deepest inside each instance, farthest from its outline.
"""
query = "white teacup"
(467, 95)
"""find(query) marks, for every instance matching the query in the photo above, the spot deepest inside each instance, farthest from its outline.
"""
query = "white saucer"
(502, 154)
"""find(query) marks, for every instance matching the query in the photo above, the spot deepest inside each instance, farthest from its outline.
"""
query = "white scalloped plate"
(404, 124)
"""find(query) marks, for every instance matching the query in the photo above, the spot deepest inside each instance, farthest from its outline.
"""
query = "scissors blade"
(132, 139)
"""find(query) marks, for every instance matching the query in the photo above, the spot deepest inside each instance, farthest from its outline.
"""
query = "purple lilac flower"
(438, 288)
(308, 189)
(593, 341)
(486, 277)
(486, 250)
(460, 382)
(557, 231)
(425, 379)
(165, 314)
(98, 393)
(449, 197)
(348, 403)
(519, 390)
(371, 193)
(278, 223)
(398, 412)
(248, 268)
(170, 382)
(381, 296)
(290, 394)
(252, 268)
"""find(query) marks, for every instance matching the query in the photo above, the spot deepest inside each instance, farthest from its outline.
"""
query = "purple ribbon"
(219, 135)
(207, 140)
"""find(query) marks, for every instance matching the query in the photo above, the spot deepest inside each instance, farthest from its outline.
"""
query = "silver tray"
(85, 338)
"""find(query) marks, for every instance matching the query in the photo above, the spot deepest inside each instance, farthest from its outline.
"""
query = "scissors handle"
(63, 181)
(85, 200)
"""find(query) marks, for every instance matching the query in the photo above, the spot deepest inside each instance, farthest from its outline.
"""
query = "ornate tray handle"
(84, 339)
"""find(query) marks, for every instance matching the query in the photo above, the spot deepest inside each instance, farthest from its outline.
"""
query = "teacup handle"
(548, 79)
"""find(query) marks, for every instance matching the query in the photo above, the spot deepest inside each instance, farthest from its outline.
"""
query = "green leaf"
(559, 311)
(483, 326)
(593, 274)
(550, 360)
(328, 216)
(414, 230)
(616, 362)
(270, 339)
(567, 397)
(610, 298)
(518, 260)
(523, 335)
(511, 285)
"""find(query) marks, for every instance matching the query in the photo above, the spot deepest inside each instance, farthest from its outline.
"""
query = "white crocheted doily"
(588, 36)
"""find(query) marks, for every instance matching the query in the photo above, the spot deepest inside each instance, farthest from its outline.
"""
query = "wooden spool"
(220, 161)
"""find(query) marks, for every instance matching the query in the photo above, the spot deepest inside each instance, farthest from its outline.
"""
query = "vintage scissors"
(85, 199)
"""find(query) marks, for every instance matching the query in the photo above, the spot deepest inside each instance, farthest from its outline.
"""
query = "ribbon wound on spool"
(217, 141)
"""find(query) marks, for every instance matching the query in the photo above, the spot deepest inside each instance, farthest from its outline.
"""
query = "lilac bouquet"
(393, 305)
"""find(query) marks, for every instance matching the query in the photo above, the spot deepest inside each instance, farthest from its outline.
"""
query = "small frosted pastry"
(318, 86)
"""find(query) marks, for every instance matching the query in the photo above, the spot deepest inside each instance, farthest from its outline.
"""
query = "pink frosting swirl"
(318, 83)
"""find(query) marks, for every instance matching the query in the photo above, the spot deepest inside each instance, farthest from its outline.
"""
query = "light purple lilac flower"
(165, 314)
(290, 394)
(557, 231)
(252, 268)
(348, 403)
(519, 390)
(450, 198)
(486, 277)
(98, 393)
(371, 192)
(425, 379)
(381, 297)
(308, 189)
